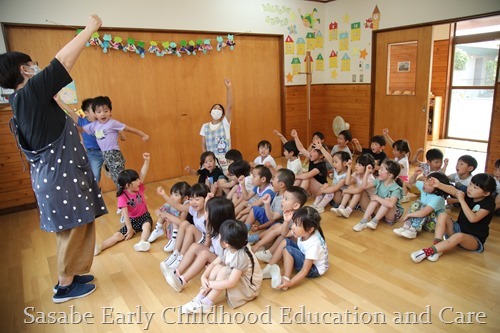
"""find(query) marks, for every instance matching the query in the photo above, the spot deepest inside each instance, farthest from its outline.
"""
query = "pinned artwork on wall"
(403, 66)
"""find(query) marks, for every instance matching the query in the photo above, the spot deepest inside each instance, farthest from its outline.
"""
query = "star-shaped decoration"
(289, 77)
(362, 54)
(334, 74)
(346, 18)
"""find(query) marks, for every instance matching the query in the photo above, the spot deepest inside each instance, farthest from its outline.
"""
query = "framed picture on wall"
(4, 95)
(403, 66)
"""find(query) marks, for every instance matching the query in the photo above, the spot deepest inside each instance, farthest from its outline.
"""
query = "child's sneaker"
(344, 212)
(171, 258)
(173, 280)
(195, 306)
(360, 226)
(122, 219)
(266, 272)
(418, 256)
(80, 279)
(142, 246)
(170, 245)
(74, 290)
(372, 225)
(434, 257)
(157, 233)
(118, 211)
(399, 231)
(264, 256)
(335, 210)
(275, 275)
(409, 233)
(320, 210)
(176, 262)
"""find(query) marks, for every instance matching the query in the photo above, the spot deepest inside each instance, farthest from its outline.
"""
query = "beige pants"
(75, 250)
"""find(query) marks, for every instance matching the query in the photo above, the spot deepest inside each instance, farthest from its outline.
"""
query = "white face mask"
(35, 69)
(216, 114)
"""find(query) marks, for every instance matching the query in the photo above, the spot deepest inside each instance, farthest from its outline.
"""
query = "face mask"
(35, 69)
(216, 114)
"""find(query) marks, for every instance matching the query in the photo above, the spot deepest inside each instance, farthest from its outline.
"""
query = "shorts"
(260, 214)
(480, 246)
(404, 178)
(299, 258)
(428, 223)
(397, 215)
(137, 223)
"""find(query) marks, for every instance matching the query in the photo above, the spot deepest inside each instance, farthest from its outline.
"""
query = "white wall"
(256, 16)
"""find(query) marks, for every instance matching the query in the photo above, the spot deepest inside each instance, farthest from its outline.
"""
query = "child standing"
(386, 199)
(217, 210)
(309, 256)
(106, 131)
(237, 271)
(264, 157)
(180, 194)
(377, 145)
(333, 192)
(189, 233)
(424, 213)
(132, 202)
(471, 229)
(356, 194)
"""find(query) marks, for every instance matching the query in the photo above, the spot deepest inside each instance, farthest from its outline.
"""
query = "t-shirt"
(295, 166)
(378, 157)
(455, 179)
(315, 249)
(106, 134)
(321, 176)
(276, 204)
(212, 176)
(42, 122)
(437, 202)
(268, 190)
(134, 201)
(336, 149)
(393, 190)
(198, 221)
(89, 140)
(406, 166)
(480, 229)
(359, 181)
(259, 161)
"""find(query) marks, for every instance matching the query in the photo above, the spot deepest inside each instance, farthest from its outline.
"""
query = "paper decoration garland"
(191, 47)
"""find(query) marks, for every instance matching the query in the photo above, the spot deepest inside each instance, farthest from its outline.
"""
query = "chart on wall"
(339, 46)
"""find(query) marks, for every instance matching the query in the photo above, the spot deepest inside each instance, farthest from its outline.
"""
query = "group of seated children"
(210, 223)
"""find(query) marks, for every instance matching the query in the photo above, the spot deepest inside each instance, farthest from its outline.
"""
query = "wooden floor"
(372, 285)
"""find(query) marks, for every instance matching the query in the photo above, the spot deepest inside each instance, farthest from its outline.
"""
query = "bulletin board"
(170, 97)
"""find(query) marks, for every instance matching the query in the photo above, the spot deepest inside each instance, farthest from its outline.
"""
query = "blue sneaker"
(80, 279)
(74, 290)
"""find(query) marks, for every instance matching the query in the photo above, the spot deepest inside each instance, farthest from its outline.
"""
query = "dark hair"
(265, 143)
(286, 176)
(87, 103)
(223, 112)
(469, 160)
(291, 147)
(485, 182)
(235, 233)
(125, 177)
(299, 194)
(319, 135)
(378, 139)
(264, 172)
(204, 156)
(10, 76)
(239, 168)
(393, 168)
(233, 155)
(219, 209)
(343, 155)
(402, 146)
(434, 154)
(366, 159)
(182, 188)
(443, 179)
(101, 101)
(347, 135)
(309, 218)
(497, 163)
(199, 190)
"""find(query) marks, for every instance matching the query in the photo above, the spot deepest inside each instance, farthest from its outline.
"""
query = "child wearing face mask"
(216, 135)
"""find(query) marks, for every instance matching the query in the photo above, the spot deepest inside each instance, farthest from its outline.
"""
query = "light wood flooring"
(371, 278)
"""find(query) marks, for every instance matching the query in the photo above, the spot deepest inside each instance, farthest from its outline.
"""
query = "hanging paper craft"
(355, 31)
(320, 63)
(130, 47)
(230, 42)
(333, 59)
(94, 40)
(319, 40)
(220, 43)
(375, 18)
(308, 20)
(301, 46)
(106, 43)
(116, 44)
(333, 31)
(140, 49)
(295, 66)
(289, 45)
(292, 29)
(311, 42)
(207, 46)
(153, 47)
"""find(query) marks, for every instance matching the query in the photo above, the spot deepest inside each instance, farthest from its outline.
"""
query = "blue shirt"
(89, 140)
(429, 199)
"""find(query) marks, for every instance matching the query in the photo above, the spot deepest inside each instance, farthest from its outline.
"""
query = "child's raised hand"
(94, 23)
(227, 82)
(287, 215)
(369, 168)
(146, 156)
(294, 134)
(160, 191)
(268, 165)
(241, 179)
(385, 131)
(445, 162)
(434, 182)
(210, 195)
(275, 132)
(266, 199)
(349, 164)
(355, 141)
(419, 150)
(145, 138)
(418, 170)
